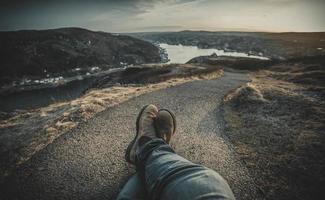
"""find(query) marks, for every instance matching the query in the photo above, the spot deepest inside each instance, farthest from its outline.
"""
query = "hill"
(48, 53)
(272, 45)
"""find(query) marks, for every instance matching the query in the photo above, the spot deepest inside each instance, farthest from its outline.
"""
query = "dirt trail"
(88, 162)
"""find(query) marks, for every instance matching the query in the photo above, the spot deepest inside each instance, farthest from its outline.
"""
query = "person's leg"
(134, 189)
(170, 176)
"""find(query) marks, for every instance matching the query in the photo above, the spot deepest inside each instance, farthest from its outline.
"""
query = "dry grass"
(97, 100)
(276, 128)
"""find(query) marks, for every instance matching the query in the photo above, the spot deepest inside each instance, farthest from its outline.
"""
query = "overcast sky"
(165, 15)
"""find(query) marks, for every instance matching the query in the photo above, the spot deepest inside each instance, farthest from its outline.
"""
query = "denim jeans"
(162, 174)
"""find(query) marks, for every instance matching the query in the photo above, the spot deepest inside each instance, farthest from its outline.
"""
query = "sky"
(165, 15)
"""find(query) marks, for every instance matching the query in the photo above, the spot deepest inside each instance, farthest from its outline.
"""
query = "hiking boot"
(165, 125)
(144, 129)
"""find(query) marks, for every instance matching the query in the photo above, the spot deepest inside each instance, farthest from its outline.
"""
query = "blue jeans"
(162, 174)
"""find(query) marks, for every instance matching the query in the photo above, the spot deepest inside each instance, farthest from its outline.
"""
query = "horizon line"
(157, 31)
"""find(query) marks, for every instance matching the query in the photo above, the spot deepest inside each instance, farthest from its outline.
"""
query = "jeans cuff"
(146, 149)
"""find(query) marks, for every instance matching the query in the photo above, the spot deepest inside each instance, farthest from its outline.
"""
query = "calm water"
(43, 97)
(30, 99)
(182, 54)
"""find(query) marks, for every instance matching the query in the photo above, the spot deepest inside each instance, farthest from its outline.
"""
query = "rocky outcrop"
(154, 73)
(239, 63)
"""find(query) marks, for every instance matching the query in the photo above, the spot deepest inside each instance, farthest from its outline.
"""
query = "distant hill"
(273, 45)
(39, 53)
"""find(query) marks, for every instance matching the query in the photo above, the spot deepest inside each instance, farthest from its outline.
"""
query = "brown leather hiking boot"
(165, 125)
(144, 127)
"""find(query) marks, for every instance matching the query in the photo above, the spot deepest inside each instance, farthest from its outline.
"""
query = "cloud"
(162, 15)
(17, 13)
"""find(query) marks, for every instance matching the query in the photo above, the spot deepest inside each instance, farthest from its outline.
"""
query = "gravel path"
(88, 162)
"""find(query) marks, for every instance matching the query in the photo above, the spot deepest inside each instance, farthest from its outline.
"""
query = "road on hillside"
(88, 162)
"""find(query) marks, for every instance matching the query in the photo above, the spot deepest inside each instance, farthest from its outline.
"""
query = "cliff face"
(50, 52)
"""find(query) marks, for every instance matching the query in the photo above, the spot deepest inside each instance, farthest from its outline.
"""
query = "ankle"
(143, 140)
